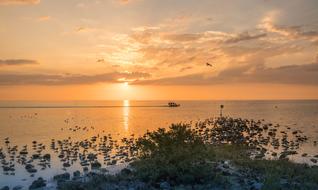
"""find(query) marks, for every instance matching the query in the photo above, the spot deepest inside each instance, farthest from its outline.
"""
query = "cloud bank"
(47, 79)
(11, 62)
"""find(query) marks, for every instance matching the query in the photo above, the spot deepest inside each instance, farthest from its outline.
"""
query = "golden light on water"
(126, 114)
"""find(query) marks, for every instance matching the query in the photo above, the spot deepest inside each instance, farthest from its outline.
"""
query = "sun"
(126, 84)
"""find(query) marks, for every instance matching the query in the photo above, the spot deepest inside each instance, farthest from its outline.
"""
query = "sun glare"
(126, 114)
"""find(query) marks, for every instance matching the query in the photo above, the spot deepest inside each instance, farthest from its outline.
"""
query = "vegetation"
(178, 156)
(184, 158)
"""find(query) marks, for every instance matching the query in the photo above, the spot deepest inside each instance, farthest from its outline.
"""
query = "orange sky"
(89, 49)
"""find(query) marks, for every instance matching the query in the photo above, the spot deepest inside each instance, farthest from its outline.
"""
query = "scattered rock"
(47, 157)
(85, 169)
(63, 177)
(96, 165)
(17, 187)
(313, 160)
(30, 168)
(40, 182)
(76, 174)
(5, 188)
(66, 165)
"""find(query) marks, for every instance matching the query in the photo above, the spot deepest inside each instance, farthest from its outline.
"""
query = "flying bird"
(208, 64)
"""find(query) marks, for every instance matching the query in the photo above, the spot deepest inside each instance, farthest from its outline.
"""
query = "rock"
(313, 160)
(114, 162)
(96, 165)
(5, 188)
(24, 152)
(304, 155)
(35, 156)
(66, 165)
(40, 182)
(165, 185)
(17, 187)
(6, 168)
(47, 157)
(92, 156)
(30, 168)
(62, 177)
(85, 169)
(77, 174)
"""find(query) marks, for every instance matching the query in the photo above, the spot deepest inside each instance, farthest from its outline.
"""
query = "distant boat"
(173, 104)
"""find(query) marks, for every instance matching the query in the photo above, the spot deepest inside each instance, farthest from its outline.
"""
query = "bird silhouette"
(100, 60)
(208, 64)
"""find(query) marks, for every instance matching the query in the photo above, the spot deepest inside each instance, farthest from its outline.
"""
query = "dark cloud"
(292, 74)
(46, 79)
(244, 37)
(17, 62)
(182, 37)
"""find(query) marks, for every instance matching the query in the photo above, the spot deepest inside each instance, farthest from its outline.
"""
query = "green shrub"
(178, 155)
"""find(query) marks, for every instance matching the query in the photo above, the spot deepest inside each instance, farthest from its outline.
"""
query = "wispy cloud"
(292, 74)
(244, 37)
(292, 32)
(11, 62)
(58, 79)
(44, 18)
(19, 2)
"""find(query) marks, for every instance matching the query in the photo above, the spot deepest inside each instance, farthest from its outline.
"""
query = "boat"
(173, 104)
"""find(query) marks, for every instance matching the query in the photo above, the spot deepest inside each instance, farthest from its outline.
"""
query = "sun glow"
(126, 114)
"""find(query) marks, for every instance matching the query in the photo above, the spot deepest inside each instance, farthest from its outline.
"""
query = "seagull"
(208, 64)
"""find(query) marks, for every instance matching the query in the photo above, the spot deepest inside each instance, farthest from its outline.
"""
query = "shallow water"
(24, 122)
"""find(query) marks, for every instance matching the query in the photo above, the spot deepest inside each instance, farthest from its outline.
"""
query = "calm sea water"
(24, 122)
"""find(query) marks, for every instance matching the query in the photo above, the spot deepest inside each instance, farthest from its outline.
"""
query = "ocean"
(21, 123)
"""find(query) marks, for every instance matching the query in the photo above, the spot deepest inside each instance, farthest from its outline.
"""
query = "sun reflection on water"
(126, 114)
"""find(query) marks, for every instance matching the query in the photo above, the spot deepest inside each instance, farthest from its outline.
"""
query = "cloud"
(19, 2)
(244, 37)
(44, 18)
(11, 62)
(293, 32)
(124, 2)
(185, 68)
(47, 79)
(177, 53)
(291, 74)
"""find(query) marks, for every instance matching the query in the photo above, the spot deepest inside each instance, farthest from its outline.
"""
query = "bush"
(178, 155)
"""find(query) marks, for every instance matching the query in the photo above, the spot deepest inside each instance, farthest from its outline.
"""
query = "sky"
(158, 49)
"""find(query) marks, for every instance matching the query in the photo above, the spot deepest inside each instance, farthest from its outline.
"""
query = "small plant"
(221, 110)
